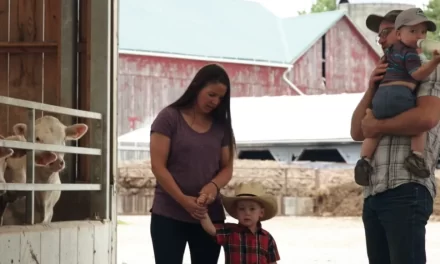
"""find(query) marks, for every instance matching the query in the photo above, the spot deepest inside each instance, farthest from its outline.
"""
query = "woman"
(192, 149)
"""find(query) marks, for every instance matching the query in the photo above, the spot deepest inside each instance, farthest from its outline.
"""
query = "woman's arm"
(226, 164)
(159, 150)
(211, 189)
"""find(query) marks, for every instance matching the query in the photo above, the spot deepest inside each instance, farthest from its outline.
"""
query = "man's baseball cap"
(414, 16)
(373, 21)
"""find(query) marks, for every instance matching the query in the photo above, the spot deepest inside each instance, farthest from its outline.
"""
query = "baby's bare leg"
(418, 144)
(368, 147)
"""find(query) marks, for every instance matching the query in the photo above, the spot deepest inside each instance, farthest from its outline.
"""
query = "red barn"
(163, 44)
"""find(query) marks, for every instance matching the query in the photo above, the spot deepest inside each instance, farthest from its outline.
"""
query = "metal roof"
(284, 120)
(229, 29)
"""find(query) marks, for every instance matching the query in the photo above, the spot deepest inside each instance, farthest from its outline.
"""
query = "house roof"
(284, 120)
(228, 29)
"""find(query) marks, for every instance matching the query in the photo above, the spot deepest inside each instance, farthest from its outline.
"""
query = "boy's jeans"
(395, 223)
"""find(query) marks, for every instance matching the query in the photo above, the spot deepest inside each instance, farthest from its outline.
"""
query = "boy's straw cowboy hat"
(251, 191)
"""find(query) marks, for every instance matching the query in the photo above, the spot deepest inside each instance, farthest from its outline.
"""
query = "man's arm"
(359, 113)
(414, 121)
(422, 118)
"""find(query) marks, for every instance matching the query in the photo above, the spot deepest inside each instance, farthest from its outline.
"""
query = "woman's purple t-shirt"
(193, 161)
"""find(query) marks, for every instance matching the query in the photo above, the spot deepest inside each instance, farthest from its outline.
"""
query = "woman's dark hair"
(211, 74)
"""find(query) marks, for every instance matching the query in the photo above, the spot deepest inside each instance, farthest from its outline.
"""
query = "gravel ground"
(304, 240)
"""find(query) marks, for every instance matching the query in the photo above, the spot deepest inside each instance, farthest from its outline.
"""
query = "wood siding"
(349, 61)
(57, 243)
(29, 55)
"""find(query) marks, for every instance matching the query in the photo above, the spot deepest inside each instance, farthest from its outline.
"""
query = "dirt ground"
(303, 240)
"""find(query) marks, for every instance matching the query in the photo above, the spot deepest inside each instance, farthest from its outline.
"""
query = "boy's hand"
(202, 199)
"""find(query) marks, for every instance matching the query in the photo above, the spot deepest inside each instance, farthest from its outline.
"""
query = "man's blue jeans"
(395, 223)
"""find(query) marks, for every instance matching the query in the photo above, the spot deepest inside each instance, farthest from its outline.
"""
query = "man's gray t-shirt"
(193, 161)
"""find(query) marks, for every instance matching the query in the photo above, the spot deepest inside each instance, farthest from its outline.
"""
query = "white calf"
(50, 130)
(4, 154)
(14, 212)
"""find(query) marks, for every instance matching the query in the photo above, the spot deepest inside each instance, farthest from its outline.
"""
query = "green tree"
(432, 11)
(321, 6)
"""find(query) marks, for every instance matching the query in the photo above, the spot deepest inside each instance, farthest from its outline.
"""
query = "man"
(397, 205)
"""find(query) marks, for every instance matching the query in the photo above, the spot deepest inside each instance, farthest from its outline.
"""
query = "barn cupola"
(343, 5)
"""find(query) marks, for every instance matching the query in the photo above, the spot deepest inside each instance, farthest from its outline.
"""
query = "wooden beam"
(84, 46)
(28, 47)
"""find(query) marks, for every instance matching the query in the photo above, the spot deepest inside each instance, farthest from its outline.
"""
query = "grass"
(122, 222)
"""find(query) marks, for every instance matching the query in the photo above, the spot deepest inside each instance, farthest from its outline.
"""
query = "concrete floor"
(304, 240)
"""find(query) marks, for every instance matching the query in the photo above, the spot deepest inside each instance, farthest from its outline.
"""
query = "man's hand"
(378, 73)
(369, 125)
(436, 56)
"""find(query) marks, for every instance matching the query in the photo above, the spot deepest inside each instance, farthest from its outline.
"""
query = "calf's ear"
(20, 129)
(44, 158)
(75, 132)
(5, 152)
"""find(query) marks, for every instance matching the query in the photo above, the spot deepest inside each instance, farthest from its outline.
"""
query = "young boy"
(247, 241)
(396, 93)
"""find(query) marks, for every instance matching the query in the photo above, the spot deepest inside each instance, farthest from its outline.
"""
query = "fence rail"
(50, 187)
(49, 147)
(30, 186)
(49, 108)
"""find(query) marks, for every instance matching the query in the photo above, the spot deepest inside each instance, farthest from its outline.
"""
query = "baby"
(247, 241)
(396, 92)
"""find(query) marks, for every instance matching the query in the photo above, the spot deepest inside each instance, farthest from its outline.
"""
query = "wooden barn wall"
(147, 84)
(41, 43)
(29, 61)
(349, 61)
(307, 71)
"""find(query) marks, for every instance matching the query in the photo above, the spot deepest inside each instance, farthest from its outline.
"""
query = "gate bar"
(30, 170)
(50, 187)
(49, 147)
(49, 108)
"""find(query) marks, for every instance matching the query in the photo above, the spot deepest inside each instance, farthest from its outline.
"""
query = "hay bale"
(347, 200)
(337, 195)
(341, 200)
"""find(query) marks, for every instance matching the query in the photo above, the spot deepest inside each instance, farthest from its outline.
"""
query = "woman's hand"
(210, 191)
(193, 208)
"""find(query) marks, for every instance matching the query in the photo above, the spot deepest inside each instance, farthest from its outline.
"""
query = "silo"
(359, 10)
